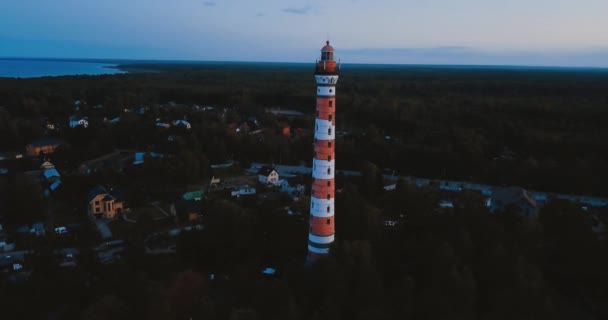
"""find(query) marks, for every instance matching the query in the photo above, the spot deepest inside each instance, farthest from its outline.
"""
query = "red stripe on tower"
(322, 229)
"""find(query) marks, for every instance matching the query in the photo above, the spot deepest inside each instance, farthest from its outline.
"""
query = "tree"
(25, 201)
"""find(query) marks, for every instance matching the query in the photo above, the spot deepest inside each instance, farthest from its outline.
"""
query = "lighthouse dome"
(327, 47)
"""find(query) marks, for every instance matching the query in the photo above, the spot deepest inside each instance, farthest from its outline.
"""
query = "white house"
(79, 122)
(268, 175)
(243, 190)
(182, 123)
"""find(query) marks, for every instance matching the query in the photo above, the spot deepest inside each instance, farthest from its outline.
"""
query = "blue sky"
(521, 32)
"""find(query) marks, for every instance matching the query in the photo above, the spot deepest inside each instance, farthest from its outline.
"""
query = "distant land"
(41, 67)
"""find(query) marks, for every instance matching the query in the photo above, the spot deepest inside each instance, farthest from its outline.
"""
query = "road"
(449, 185)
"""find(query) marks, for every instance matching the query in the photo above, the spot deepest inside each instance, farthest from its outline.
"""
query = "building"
(45, 145)
(268, 175)
(182, 123)
(48, 177)
(242, 190)
(321, 234)
(76, 122)
(293, 186)
(102, 204)
(513, 198)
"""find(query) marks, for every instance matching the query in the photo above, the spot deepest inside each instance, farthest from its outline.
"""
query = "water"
(31, 68)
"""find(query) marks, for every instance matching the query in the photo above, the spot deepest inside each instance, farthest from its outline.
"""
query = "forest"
(540, 129)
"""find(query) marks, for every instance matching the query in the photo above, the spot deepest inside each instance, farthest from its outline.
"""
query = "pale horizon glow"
(478, 32)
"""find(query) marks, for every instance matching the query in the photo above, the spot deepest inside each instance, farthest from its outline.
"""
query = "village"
(103, 217)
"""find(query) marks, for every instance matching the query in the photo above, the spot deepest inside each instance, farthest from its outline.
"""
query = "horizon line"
(455, 64)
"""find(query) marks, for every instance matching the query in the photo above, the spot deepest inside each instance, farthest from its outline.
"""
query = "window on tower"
(330, 117)
(329, 131)
(328, 221)
(329, 183)
(331, 102)
(329, 144)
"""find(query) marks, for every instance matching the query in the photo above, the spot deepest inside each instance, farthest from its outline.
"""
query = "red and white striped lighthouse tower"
(321, 234)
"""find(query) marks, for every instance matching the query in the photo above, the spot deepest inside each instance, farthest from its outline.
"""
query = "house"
(242, 190)
(46, 145)
(6, 244)
(47, 165)
(293, 186)
(49, 178)
(138, 158)
(513, 198)
(102, 204)
(162, 125)
(50, 125)
(38, 229)
(390, 185)
(182, 123)
(268, 175)
(76, 121)
(194, 195)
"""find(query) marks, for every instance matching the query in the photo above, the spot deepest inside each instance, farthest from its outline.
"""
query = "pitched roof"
(193, 195)
(95, 192)
(55, 185)
(49, 173)
(265, 170)
(511, 195)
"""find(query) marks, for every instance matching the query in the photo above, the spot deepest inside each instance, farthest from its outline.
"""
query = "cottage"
(49, 178)
(45, 145)
(76, 122)
(182, 123)
(163, 125)
(242, 190)
(268, 175)
(513, 198)
(102, 204)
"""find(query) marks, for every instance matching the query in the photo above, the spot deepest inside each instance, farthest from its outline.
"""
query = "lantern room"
(327, 52)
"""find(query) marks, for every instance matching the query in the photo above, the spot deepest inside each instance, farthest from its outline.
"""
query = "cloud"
(210, 3)
(260, 14)
(298, 11)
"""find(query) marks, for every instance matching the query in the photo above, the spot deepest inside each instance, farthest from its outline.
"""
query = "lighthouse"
(321, 234)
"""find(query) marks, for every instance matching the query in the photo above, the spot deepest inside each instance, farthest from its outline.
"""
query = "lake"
(31, 68)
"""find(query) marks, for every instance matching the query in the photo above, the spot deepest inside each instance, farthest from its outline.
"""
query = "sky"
(479, 32)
